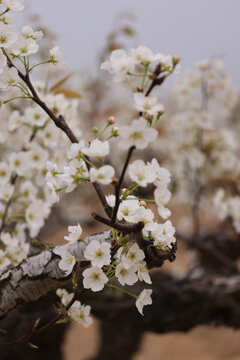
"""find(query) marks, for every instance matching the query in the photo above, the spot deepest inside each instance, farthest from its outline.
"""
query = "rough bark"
(37, 275)
(177, 306)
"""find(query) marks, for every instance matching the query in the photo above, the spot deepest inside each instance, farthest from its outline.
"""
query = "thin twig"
(119, 184)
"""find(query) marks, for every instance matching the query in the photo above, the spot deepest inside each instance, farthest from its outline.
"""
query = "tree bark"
(37, 275)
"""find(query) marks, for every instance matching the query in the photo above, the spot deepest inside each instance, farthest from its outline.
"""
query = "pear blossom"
(120, 64)
(99, 253)
(162, 196)
(80, 314)
(7, 19)
(73, 174)
(6, 191)
(163, 234)
(140, 173)
(144, 299)
(3, 61)
(75, 233)
(94, 279)
(56, 56)
(134, 256)
(75, 150)
(37, 156)
(64, 296)
(162, 175)
(54, 192)
(97, 148)
(5, 173)
(125, 274)
(15, 120)
(24, 47)
(143, 55)
(8, 78)
(147, 104)
(7, 36)
(103, 175)
(111, 199)
(28, 33)
(137, 134)
(142, 273)
(144, 215)
(35, 116)
(4, 261)
(127, 208)
(67, 261)
(13, 5)
(19, 162)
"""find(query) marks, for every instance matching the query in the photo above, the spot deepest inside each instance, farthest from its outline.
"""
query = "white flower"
(103, 175)
(8, 78)
(15, 120)
(137, 134)
(94, 279)
(147, 104)
(119, 65)
(162, 196)
(127, 208)
(67, 261)
(24, 47)
(64, 296)
(54, 192)
(56, 56)
(111, 200)
(37, 156)
(5, 173)
(143, 55)
(75, 233)
(19, 162)
(13, 5)
(143, 274)
(97, 148)
(144, 299)
(7, 36)
(99, 253)
(163, 234)
(73, 174)
(80, 313)
(3, 61)
(141, 173)
(125, 274)
(75, 150)
(134, 256)
(162, 175)
(144, 215)
(4, 261)
(28, 33)
(35, 215)
(35, 116)
(6, 191)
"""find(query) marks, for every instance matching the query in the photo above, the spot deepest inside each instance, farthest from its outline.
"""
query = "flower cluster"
(38, 164)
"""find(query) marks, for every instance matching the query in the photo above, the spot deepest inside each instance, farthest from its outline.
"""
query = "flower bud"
(175, 60)
(111, 120)
(115, 131)
(95, 130)
(142, 203)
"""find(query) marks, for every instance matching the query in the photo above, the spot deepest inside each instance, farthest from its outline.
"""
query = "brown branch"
(119, 184)
(126, 228)
(27, 340)
(60, 122)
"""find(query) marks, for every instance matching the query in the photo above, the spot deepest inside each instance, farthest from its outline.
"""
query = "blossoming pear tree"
(44, 153)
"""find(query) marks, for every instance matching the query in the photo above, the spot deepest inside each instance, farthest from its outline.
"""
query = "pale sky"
(193, 29)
